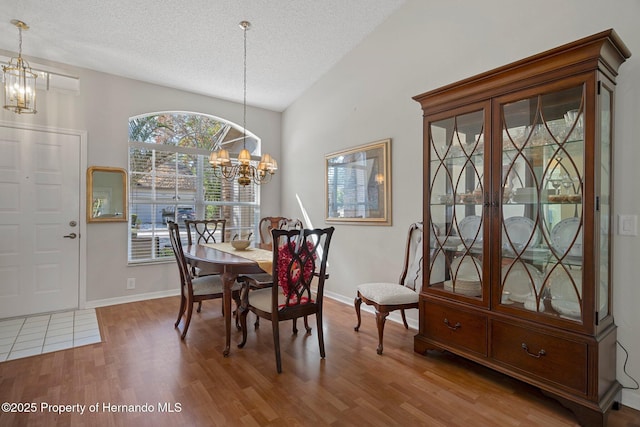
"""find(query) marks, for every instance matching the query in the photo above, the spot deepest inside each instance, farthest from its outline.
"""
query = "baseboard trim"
(631, 398)
(131, 298)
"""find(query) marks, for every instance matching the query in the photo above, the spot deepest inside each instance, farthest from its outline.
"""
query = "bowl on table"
(240, 244)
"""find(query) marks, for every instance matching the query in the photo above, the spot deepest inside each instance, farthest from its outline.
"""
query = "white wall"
(102, 108)
(424, 45)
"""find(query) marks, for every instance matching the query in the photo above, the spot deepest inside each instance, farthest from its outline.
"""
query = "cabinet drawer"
(455, 327)
(552, 358)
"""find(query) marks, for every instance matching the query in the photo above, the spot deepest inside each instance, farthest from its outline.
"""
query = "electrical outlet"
(628, 225)
(131, 283)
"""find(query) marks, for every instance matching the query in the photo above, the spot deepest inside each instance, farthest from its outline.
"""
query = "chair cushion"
(261, 299)
(388, 293)
(207, 271)
(257, 279)
(206, 285)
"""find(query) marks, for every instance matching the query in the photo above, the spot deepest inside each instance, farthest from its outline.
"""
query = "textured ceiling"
(197, 45)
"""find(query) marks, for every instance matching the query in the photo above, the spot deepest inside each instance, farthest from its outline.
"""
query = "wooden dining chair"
(205, 231)
(269, 223)
(265, 280)
(387, 297)
(194, 289)
(299, 261)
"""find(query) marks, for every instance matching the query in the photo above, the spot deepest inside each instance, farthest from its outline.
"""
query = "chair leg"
(380, 319)
(404, 319)
(276, 344)
(236, 297)
(242, 314)
(199, 306)
(188, 319)
(320, 333)
(306, 325)
(357, 303)
(180, 310)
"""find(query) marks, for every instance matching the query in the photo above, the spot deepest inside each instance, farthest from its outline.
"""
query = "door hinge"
(597, 203)
(599, 86)
(597, 319)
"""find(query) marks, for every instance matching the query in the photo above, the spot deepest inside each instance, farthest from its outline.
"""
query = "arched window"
(170, 179)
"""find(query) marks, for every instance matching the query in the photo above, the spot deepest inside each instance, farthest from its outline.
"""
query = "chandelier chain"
(19, 41)
(244, 103)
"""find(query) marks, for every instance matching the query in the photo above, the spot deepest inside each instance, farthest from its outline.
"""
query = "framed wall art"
(358, 184)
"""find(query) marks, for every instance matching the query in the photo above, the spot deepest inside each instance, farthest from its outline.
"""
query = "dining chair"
(386, 297)
(205, 231)
(265, 280)
(269, 223)
(194, 289)
(299, 273)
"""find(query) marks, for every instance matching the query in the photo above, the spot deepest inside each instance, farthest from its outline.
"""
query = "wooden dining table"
(232, 263)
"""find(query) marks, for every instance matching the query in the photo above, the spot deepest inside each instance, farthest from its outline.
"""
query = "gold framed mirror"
(106, 194)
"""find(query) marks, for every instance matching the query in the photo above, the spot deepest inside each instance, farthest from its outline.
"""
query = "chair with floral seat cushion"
(299, 273)
(387, 297)
(194, 289)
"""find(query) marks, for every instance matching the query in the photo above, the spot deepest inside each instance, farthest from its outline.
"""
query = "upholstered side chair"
(387, 297)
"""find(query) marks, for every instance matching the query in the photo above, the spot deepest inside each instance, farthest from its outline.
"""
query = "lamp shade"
(244, 157)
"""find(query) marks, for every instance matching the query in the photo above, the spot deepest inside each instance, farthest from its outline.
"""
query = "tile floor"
(28, 336)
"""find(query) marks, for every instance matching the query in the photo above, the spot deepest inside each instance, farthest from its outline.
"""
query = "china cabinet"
(517, 206)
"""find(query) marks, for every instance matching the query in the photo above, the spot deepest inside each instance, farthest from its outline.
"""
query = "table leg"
(228, 279)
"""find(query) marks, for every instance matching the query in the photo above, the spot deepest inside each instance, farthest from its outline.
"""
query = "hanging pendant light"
(19, 81)
(243, 170)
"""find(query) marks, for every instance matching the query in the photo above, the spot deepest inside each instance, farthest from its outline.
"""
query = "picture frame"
(358, 184)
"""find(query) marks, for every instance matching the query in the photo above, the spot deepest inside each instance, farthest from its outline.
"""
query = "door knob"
(70, 236)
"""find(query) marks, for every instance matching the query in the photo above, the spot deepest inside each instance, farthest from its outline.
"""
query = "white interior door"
(39, 217)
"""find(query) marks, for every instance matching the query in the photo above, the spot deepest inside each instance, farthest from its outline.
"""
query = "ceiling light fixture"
(243, 170)
(19, 80)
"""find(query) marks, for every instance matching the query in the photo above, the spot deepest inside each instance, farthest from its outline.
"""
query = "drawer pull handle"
(454, 327)
(537, 356)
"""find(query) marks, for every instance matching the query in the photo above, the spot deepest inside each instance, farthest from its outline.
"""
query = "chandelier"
(243, 170)
(19, 81)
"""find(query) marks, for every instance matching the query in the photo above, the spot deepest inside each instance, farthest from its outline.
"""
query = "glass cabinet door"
(456, 209)
(541, 216)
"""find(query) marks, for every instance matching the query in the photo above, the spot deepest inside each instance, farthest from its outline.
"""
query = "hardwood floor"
(142, 361)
